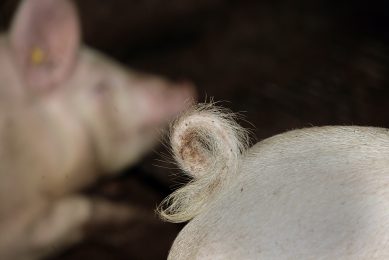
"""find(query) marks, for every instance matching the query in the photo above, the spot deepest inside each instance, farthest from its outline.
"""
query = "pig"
(68, 115)
(314, 193)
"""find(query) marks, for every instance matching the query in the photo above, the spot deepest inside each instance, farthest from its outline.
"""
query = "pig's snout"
(180, 98)
(164, 101)
(207, 143)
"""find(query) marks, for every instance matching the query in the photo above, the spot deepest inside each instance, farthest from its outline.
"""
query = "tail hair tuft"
(207, 144)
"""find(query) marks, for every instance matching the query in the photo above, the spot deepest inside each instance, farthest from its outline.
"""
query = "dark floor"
(282, 64)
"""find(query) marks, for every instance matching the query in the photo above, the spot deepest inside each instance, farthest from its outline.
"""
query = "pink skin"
(67, 115)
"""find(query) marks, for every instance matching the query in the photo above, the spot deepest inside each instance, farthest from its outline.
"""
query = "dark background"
(283, 64)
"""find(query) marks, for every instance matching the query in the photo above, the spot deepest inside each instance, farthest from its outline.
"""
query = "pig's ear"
(45, 37)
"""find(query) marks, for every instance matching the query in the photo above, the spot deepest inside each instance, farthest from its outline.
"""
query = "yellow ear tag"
(37, 56)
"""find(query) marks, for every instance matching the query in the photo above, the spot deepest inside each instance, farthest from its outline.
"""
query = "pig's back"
(318, 193)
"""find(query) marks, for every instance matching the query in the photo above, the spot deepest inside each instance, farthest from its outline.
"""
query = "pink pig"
(315, 193)
(67, 116)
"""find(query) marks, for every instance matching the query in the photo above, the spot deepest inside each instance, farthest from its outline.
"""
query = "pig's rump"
(317, 193)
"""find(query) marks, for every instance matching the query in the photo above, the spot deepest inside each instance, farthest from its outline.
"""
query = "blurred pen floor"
(288, 64)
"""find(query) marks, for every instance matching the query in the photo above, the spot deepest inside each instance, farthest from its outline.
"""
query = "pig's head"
(123, 110)
(90, 97)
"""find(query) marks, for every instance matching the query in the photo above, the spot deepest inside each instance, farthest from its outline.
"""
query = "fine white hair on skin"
(207, 143)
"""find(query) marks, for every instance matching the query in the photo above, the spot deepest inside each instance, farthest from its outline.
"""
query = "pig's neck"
(44, 153)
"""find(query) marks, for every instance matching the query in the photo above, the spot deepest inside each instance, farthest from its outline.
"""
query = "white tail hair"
(207, 143)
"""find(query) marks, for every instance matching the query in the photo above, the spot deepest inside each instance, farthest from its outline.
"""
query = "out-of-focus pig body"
(315, 193)
(67, 116)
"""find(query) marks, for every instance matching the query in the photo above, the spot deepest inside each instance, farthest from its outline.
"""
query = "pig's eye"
(102, 87)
